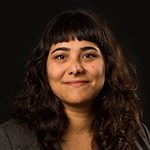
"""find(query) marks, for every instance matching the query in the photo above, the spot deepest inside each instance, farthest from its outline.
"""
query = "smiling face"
(76, 71)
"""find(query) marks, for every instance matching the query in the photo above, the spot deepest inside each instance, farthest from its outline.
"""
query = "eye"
(59, 57)
(88, 56)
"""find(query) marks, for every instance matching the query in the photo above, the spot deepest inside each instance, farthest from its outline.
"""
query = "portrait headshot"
(79, 89)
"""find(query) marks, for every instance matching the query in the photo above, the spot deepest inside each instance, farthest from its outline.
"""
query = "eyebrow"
(60, 49)
(89, 48)
(68, 49)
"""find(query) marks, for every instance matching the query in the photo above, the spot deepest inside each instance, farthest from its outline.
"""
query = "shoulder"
(142, 140)
(13, 135)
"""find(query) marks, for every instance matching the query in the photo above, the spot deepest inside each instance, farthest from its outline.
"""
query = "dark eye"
(88, 56)
(60, 57)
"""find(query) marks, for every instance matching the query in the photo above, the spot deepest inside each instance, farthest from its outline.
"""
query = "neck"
(79, 120)
(79, 130)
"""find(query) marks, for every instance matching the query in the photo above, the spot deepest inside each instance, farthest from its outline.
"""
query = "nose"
(75, 68)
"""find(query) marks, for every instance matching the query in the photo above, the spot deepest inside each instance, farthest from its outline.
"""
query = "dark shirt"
(16, 137)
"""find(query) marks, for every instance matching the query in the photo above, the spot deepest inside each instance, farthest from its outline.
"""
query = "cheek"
(97, 70)
(53, 72)
(54, 75)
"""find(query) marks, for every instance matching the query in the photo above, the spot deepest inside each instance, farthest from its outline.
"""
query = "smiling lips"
(76, 83)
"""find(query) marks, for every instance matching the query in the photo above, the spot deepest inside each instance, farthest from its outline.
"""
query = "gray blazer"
(16, 137)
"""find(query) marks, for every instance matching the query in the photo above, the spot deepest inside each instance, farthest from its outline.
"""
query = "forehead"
(73, 43)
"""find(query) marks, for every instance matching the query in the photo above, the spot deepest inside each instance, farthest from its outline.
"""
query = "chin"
(78, 102)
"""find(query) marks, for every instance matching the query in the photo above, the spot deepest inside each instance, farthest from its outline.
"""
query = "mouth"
(76, 83)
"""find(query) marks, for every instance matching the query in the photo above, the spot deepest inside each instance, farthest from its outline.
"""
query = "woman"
(80, 91)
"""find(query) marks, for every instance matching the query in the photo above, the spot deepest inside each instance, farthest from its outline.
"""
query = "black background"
(22, 22)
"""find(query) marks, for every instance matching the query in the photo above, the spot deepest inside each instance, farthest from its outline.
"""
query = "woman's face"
(76, 71)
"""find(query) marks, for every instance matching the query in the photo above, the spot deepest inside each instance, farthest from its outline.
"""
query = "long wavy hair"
(117, 111)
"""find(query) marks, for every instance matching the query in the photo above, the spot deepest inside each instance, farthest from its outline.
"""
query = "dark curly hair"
(117, 111)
